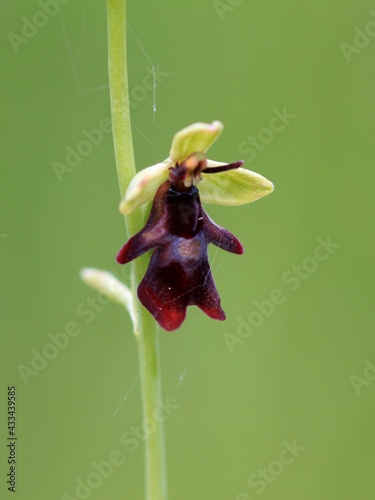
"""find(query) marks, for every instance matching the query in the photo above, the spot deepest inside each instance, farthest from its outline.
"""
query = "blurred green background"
(235, 403)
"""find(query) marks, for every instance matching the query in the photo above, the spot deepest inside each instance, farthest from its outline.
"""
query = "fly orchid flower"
(178, 230)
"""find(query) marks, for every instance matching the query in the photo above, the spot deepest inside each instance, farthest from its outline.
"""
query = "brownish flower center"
(188, 173)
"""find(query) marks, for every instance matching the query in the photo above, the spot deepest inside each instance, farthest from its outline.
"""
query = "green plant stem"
(145, 329)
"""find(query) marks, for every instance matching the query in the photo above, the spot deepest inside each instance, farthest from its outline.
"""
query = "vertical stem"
(145, 329)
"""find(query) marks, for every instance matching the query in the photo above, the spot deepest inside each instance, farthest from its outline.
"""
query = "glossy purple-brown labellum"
(178, 275)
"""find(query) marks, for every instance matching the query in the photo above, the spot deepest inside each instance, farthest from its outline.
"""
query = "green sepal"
(143, 186)
(234, 187)
(195, 138)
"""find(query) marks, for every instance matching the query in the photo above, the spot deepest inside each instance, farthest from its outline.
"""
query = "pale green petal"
(196, 138)
(105, 282)
(143, 186)
(234, 187)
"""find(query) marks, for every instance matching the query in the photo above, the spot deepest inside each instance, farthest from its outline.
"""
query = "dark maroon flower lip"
(178, 231)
